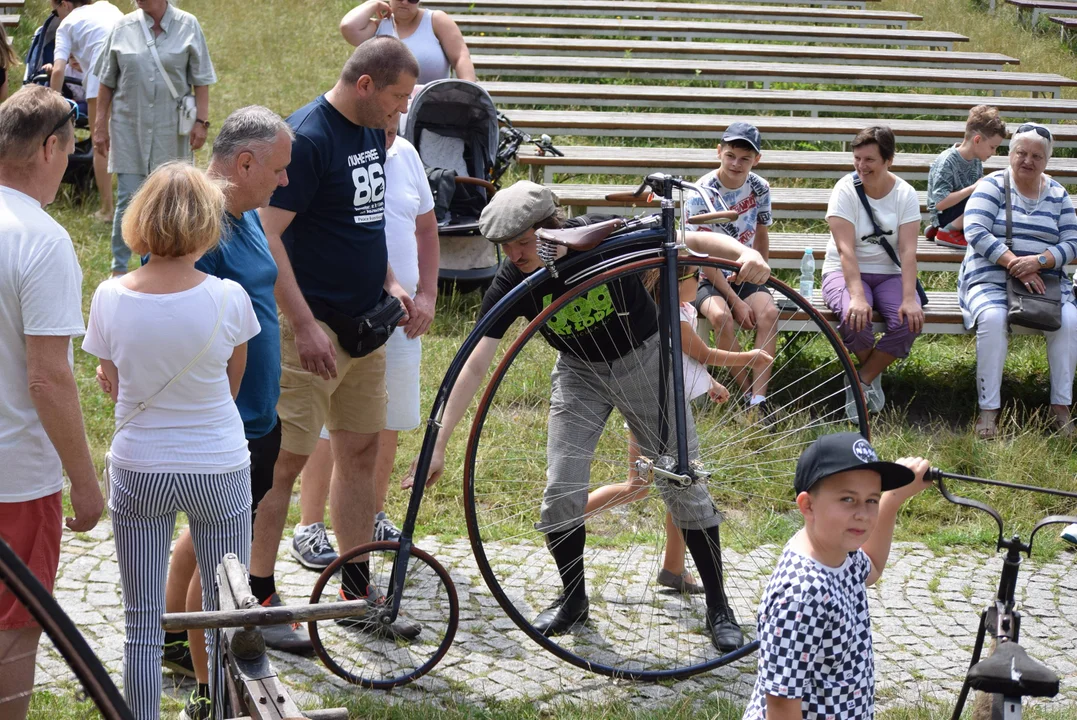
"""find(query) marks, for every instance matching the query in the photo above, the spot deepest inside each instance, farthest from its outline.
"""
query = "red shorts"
(33, 530)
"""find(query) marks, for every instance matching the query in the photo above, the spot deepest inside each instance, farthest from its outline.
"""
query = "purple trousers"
(883, 293)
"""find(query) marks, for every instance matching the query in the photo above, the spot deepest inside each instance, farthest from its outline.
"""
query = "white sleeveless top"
(424, 45)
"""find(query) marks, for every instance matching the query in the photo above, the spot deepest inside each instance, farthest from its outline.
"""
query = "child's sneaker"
(198, 707)
(177, 658)
(931, 232)
(384, 529)
(311, 547)
(951, 239)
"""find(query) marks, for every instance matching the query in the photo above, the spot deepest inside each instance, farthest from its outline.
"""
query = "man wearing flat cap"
(612, 332)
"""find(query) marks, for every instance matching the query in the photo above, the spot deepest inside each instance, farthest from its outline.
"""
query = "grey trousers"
(583, 396)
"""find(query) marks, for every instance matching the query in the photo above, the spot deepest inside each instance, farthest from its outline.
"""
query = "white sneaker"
(1069, 534)
(874, 394)
(850, 402)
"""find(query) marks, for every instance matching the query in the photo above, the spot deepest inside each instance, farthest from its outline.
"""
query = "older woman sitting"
(1044, 230)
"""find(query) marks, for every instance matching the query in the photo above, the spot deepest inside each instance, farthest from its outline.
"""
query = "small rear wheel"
(639, 627)
(364, 653)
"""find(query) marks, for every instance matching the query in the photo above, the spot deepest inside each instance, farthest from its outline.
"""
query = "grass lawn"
(282, 53)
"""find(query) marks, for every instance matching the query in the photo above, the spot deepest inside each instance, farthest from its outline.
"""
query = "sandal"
(987, 424)
(680, 583)
(1062, 422)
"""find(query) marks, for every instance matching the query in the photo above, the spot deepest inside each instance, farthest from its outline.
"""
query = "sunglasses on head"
(690, 276)
(412, 2)
(72, 116)
(1038, 129)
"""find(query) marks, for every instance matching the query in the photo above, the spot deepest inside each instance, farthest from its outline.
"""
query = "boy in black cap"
(815, 655)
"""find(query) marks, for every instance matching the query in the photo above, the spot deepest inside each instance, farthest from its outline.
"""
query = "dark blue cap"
(746, 132)
(837, 453)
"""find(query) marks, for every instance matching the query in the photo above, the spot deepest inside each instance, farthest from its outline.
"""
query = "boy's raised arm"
(877, 546)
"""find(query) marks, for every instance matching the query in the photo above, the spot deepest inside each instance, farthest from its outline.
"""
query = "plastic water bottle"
(807, 274)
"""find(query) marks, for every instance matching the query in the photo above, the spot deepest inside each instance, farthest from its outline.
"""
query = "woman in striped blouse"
(1044, 241)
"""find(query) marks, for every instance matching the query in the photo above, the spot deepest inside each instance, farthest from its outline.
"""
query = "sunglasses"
(72, 116)
(1038, 129)
(412, 2)
(690, 276)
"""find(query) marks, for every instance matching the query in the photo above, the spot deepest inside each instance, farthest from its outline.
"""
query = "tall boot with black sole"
(706, 549)
(571, 606)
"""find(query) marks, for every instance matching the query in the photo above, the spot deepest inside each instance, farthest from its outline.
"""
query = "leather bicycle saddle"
(581, 238)
(1011, 672)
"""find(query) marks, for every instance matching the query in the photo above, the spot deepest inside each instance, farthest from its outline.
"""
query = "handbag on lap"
(1025, 307)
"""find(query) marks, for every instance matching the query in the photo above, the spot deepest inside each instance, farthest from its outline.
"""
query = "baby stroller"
(79, 163)
(453, 125)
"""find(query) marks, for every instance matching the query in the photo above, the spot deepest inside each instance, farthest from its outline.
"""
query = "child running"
(696, 355)
(815, 655)
(954, 174)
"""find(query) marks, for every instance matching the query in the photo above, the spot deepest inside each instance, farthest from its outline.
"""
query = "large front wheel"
(639, 627)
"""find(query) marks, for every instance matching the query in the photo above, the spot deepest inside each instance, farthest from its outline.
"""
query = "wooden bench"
(785, 203)
(679, 11)
(1030, 11)
(1066, 25)
(637, 161)
(766, 73)
(699, 30)
(942, 316)
(773, 127)
(787, 250)
(831, 55)
(8, 20)
(846, 103)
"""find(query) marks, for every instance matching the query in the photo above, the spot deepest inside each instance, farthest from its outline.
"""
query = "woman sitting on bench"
(870, 263)
(1044, 239)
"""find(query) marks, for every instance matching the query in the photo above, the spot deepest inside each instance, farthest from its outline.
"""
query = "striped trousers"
(143, 508)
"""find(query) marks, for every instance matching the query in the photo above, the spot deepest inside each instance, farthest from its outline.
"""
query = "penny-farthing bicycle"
(637, 628)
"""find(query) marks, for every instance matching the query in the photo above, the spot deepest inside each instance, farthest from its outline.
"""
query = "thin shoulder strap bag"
(148, 402)
(878, 232)
(185, 104)
(1024, 307)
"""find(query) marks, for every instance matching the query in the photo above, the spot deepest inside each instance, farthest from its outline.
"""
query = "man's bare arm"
(56, 398)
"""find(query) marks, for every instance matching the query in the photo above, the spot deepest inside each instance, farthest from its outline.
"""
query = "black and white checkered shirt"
(815, 639)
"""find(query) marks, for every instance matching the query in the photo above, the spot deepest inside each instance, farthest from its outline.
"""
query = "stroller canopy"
(453, 124)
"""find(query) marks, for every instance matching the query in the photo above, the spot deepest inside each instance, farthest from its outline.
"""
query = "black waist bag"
(364, 334)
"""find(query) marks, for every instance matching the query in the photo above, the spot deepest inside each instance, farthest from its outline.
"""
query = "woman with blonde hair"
(172, 343)
(8, 60)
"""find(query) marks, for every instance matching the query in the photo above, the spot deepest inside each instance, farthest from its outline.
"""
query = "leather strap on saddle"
(1012, 673)
(581, 238)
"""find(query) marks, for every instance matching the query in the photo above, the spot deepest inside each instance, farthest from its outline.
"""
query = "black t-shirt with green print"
(601, 325)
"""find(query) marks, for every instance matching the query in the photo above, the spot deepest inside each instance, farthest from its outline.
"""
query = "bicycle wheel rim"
(65, 637)
(475, 496)
(409, 672)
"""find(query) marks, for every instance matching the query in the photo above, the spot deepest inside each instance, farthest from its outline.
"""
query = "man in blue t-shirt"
(327, 232)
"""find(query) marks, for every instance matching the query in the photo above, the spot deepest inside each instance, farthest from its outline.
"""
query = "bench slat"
(734, 71)
(774, 163)
(772, 127)
(813, 101)
(597, 47)
(787, 249)
(691, 29)
(806, 203)
(678, 10)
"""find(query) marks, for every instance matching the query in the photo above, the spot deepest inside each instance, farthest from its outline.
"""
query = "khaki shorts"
(354, 400)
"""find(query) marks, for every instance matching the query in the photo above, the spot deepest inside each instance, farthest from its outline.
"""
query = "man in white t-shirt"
(84, 27)
(41, 429)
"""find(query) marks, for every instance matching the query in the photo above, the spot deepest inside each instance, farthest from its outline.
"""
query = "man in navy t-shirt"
(327, 232)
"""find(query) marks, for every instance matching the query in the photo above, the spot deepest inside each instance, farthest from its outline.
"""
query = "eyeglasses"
(1038, 129)
(72, 116)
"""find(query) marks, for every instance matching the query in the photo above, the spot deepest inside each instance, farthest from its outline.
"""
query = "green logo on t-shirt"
(581, 314)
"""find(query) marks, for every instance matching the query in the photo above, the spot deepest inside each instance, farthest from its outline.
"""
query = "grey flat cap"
(515, 210)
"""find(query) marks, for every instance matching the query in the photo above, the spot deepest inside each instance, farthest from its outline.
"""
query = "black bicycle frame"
(1001, 619)
(653, 239)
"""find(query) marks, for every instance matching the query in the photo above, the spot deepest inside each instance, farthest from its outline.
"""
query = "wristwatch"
(203, 123)
(1042, 260)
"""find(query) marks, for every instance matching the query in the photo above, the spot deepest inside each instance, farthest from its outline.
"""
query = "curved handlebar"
(721, 216)
(938, 476)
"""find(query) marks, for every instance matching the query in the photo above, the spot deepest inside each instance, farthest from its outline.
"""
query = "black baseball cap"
(833, 454)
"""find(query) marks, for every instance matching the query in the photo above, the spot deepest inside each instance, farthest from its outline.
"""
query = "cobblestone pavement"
(925, 613)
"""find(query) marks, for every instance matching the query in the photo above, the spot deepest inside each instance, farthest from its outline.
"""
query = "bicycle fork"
(669, 329)
(1005, 625)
